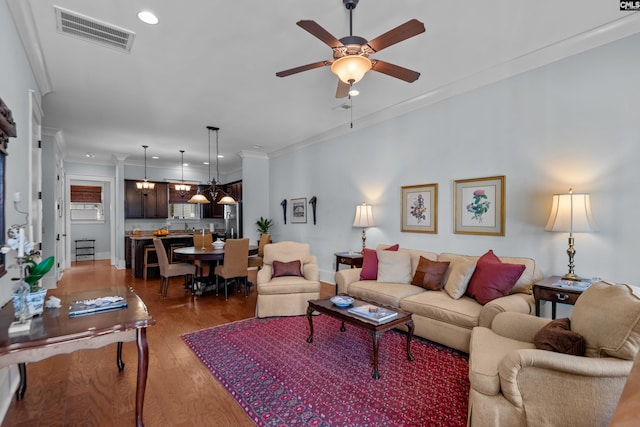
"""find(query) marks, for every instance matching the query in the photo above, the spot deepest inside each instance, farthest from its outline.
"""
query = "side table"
(354, 259)
(549, 290)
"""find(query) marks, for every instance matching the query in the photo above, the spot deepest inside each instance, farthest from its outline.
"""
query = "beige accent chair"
(288, 295)
(236, 259)
(514, 384)
(169, 270)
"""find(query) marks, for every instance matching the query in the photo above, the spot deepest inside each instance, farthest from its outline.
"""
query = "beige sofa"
(515, 384)
(437, 316)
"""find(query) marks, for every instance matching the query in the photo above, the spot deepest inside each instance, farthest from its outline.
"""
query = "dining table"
(208, 254)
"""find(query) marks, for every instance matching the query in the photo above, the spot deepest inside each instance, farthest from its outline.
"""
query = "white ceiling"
(214, 63)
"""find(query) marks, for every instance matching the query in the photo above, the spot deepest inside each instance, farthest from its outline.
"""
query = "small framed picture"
(479, 206)
(299, 211)
(420, 208)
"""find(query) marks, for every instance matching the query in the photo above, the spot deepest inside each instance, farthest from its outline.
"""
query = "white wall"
(15, 82)
(573, 123)
(255, 192)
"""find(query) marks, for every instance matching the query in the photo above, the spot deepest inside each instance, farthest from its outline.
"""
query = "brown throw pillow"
(429, 274)
(557, 336)
(286, 268)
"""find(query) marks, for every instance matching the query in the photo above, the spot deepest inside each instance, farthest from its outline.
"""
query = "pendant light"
(182, 188)
(145, 186)
(213, 189)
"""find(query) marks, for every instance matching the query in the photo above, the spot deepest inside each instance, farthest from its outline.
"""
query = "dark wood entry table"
(56, 333)
(325, 306)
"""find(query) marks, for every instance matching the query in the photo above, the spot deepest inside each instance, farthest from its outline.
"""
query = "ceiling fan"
(351, 53)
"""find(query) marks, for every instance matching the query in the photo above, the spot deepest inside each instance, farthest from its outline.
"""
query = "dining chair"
(258, 260)
(168, 270)
(202, 241)
(235, 263)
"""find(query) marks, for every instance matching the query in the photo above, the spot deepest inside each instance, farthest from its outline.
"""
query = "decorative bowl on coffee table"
(342, 301)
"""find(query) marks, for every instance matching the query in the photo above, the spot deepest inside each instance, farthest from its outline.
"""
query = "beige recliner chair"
(515, 384)
(287, 295)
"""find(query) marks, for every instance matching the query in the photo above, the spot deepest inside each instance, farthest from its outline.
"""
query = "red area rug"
(281, 380)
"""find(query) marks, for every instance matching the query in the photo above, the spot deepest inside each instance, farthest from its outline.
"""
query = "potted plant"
(28, 295)
(264, 225)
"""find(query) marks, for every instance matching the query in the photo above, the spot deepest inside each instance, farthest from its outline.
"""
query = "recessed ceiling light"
(148, 17)
(256, 146)
(185, 164)
(220, 156)
(90, 155)
(205, 163)
(155, 157)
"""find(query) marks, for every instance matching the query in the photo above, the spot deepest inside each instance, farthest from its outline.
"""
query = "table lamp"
(364, 218)
(571, 213)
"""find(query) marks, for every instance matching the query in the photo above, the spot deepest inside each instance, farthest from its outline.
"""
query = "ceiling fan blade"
(316, 30)
(402, 32)
(302, 68)
(396, 71)
(343, 89)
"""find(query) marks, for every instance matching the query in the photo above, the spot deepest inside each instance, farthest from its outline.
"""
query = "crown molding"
(25, 24)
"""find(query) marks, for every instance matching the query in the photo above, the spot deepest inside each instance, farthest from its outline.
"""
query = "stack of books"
(96, 305)
(374, 313)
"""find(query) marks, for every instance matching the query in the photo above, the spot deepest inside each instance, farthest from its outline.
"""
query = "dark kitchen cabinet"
(154, 205)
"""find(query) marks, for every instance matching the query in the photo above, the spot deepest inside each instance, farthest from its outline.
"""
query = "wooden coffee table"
(325, 306)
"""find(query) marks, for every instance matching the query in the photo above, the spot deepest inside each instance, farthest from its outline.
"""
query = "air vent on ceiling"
(86, 28)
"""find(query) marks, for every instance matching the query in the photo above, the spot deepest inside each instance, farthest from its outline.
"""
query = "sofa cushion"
(492, 278)
(524, 284)
(458, 275)
(291, 268)
(429, 274)
(394, 267)
(608, 317)
(383, 293)
(557, 336)
(370, 263)
(438, 305)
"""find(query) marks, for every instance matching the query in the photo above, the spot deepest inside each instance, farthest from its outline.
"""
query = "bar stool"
(173, 247)
(147, 250)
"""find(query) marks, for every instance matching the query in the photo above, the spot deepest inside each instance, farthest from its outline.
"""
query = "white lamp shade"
(145, 185)
(364, 216)
(571, 213)
(351, 68)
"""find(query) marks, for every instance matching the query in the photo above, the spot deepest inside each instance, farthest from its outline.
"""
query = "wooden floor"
(86, 389)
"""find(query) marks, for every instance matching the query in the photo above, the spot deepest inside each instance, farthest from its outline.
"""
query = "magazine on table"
(573, 284)
(96, 305)
(375, 313)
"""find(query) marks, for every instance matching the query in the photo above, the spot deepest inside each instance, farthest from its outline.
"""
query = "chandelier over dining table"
(214, 188)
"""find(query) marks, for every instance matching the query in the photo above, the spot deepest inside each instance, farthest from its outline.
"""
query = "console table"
(56, 333)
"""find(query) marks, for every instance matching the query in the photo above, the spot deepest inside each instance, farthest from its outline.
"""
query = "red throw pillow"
(286, 268)
(429, 274)
(370, 263)
(492, 278)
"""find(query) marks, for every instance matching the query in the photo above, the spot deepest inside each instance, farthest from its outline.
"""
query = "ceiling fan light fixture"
(351, 68)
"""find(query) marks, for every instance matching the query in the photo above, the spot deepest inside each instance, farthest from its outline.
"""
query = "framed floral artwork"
(299, 211)
(420, 208)
(479, 206)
